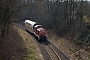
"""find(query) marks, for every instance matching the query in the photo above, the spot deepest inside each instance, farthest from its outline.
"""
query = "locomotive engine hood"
(41, 31)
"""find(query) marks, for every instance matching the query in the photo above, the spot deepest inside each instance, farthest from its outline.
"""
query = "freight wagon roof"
(30, 22)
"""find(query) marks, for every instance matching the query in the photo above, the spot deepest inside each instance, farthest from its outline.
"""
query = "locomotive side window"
(39, 26)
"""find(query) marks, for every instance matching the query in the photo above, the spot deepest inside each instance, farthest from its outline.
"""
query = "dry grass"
(19, 46)
(33, 52)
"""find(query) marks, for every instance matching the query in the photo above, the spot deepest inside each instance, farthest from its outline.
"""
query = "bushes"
(82, 39)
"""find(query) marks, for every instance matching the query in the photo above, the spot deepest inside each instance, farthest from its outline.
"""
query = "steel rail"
(52, 50)
(55, 52)
(47, 51)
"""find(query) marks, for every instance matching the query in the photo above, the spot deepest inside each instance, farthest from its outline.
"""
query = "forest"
(59, 16)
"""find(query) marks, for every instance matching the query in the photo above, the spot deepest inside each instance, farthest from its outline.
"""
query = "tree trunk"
(4, 32)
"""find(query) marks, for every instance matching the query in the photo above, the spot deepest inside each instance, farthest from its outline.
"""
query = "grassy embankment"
(73, 51)
(19, 46)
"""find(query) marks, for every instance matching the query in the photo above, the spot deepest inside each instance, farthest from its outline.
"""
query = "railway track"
(48, 50)
(52, 54)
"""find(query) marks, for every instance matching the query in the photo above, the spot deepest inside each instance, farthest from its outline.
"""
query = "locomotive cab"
(40, 32)
(36, 27)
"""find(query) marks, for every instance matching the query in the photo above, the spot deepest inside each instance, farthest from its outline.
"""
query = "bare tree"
(7, 9)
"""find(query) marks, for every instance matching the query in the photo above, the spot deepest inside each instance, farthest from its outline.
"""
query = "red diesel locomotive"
(35, 28)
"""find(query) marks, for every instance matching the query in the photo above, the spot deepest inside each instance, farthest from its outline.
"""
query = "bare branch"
(19, 8)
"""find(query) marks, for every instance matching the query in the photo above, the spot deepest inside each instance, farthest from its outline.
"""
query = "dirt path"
(19, 46)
